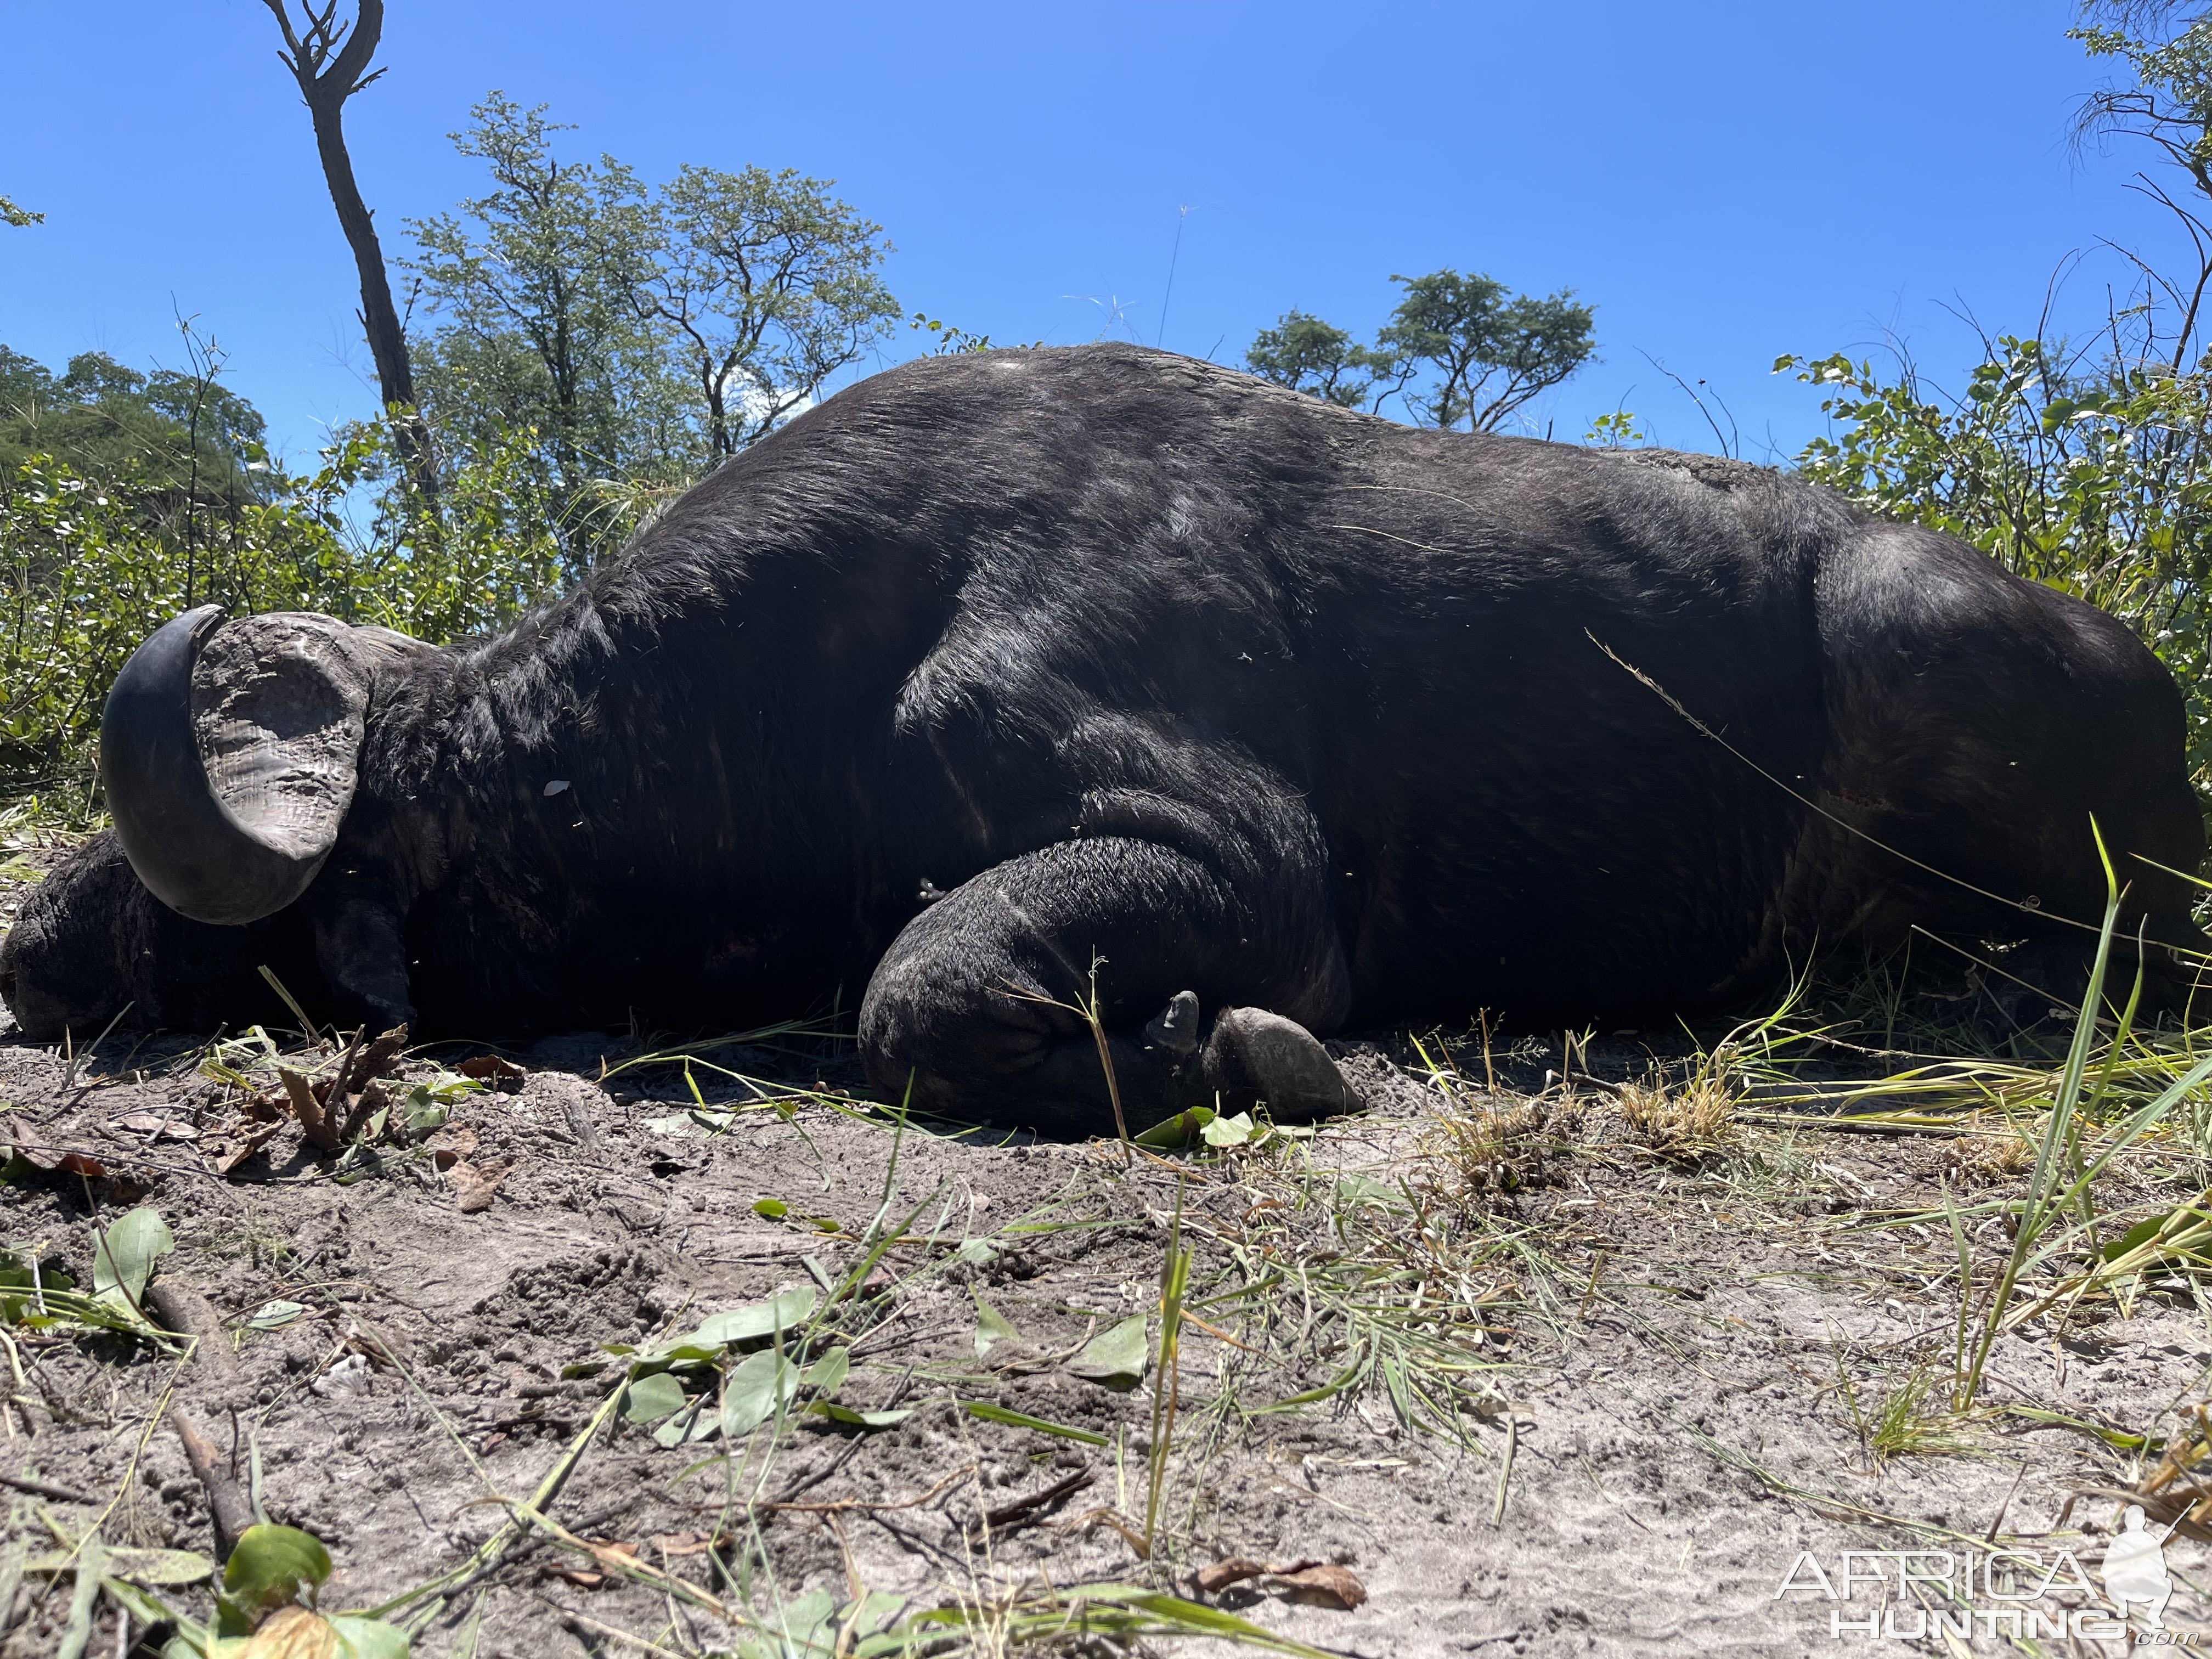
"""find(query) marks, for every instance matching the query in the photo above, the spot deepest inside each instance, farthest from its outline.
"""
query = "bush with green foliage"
(93, 563)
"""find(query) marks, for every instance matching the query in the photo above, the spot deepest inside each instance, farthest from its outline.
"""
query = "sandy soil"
(1602, 1397)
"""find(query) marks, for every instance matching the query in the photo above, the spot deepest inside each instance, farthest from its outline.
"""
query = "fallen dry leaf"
(375, 1060)
(163, 1126)
(452, 1145)
(49, 1161)
(373, 1096)
(1315, 1583)
(490, 1068)
(1320, 1586)
(1222, 1574)
(247, 1148)
(384, 1344)
(478, 1183)
(293, 1633)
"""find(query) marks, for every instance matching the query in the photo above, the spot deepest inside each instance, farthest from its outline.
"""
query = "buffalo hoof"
(1259, 1056)
(1175, 1027)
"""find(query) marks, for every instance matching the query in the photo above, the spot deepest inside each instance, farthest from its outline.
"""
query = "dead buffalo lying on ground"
(996, 667)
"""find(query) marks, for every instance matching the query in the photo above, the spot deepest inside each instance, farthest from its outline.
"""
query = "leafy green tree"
(2170, 107)
(20, 217)
(537, 281)
(1307, 354)
(1466, 349)
(767, 285)
(169, 430)
(1458, 350)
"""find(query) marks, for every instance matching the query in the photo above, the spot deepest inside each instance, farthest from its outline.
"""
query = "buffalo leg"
(1206, 985)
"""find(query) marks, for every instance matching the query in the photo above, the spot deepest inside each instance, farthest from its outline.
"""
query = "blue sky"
(1724, 182)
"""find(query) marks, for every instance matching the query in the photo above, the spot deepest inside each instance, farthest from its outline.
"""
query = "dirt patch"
(1529, 1375)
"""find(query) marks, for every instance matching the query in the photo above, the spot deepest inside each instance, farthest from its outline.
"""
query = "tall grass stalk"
(1167, 1375)
(2059, 1183)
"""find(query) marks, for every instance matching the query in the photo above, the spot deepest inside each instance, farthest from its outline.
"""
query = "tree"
(537, 279)
(170, 433)
(328, 60)
(1456, 350)
(2170, 106)
(20, 217)
(1486, 351)
(644, 335)
(767, 284)
(1308, 354)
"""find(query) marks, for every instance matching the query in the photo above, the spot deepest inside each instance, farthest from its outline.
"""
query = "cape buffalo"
(997, 672)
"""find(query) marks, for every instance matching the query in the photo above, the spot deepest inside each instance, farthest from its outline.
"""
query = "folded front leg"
(1210, 982)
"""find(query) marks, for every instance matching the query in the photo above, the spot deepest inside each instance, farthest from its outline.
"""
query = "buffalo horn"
(230, 751)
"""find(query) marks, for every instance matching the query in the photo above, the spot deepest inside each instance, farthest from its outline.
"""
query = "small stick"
(308, 1108)
(186, 1311)
(226, 1505)
(1023, 1511)
(1505, 1472)
(38, 1488)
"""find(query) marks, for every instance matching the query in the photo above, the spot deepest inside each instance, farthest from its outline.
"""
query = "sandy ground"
(1664, 1380)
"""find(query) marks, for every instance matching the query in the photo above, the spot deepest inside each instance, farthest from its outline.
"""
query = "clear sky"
(1724, 181)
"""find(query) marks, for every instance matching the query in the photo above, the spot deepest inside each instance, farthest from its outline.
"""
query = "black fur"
(1139, 659)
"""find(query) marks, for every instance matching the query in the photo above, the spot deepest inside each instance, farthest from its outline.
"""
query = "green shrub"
(94, 564)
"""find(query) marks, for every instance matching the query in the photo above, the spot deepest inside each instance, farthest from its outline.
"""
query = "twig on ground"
(186, 1311)
(36, 1488)
(227, 1504)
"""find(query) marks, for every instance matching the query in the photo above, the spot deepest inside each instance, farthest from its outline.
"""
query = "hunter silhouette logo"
(2135, 1569)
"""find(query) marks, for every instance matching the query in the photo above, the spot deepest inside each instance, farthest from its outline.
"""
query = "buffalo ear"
(229, 752)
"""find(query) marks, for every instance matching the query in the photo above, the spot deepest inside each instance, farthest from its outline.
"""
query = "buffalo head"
(229, 752)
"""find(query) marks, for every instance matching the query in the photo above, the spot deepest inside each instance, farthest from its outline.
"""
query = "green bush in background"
(94, 562)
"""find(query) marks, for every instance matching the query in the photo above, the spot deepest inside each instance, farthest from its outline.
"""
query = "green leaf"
(801, 1629)
(992, 1328)
(751, 1323)
(1173, 1132)
(652, 1398)
(773, 1209)
(984, 1411)
(139, 1566)
(274, 1316)
(762, 1384)
(1115, 1358)
(1233, 1130)
(271, 1564)
(123, 1259)
(827, 1374)
(368, 1638)
(697, 1421)
(852, 1417)
(1354, 1191)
